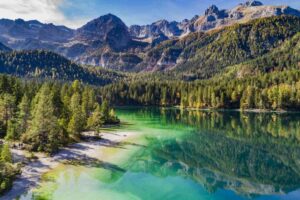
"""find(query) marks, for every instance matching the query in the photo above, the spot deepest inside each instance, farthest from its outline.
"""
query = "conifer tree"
(6, 154)
(23, 115)
(7, 107)
(44, 133)
(95, 121)
(11, 133)
(105, 110)
(76, 123)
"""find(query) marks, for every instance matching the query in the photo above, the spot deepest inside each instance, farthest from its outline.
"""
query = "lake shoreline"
(280, 111)
(241, 110)
(88, 151)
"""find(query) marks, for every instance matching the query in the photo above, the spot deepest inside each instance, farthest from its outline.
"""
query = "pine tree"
(105, 110)
(95, 121)
(44, 133)
(7, 107)
(11, 133)
(77, 120)
(6, 154)
(76, 86)
(23, 115)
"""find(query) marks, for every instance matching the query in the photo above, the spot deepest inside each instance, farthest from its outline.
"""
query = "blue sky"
(74, 13)
(145, 12)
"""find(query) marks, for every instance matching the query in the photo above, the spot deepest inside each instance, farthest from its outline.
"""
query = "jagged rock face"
(215, 18)
(162, 30)
(156, 32)
(212, 10)
(252, 3)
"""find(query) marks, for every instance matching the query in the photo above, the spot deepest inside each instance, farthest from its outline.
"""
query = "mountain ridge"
(107, 41)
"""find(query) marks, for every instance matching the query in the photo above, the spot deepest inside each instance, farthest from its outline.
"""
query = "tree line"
(274, 91)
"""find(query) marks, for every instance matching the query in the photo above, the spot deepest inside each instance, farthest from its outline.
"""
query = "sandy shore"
(87, 152)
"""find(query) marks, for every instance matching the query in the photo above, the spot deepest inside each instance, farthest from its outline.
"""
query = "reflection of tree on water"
(251, 154)
(239, 124)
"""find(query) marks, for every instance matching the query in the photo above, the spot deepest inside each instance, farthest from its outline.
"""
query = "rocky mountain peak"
(161, 22)
(103, 23)
(251, 3)
(213, 9)
(108, 29)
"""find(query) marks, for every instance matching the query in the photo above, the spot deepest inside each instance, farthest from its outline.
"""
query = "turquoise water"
(191, 155)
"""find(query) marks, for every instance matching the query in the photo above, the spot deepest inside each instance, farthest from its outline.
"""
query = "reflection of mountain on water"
(251, 154)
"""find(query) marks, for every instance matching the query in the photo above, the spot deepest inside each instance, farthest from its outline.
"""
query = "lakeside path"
(110, 147)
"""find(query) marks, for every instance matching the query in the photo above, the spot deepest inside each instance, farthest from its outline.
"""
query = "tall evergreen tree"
(76, 123)
(11, 133)
(23, 115)
(44, 133)
(7, 107)
(6, 154)
(95, 121)
(105, 110)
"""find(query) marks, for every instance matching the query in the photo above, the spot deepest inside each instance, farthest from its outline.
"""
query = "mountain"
(107, 29)
(286, 56)
(162, 45)
(202, 55)
(156, 32)
(48, 65)
(215, 18)
(105, 42)
(212, 19)
(19, 34)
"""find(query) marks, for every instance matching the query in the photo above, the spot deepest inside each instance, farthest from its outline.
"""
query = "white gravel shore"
(87, 150)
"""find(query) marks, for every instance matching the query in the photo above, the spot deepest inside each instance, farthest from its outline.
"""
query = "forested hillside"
(47, 65)
(202, 55)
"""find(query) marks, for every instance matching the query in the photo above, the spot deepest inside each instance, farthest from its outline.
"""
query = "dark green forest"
(51, 66)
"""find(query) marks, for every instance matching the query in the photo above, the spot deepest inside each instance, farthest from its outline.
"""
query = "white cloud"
(46, 11)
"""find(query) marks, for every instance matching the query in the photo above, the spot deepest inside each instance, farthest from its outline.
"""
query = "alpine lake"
(190, 155)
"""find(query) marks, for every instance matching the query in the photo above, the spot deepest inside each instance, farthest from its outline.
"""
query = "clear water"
(191, 155)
